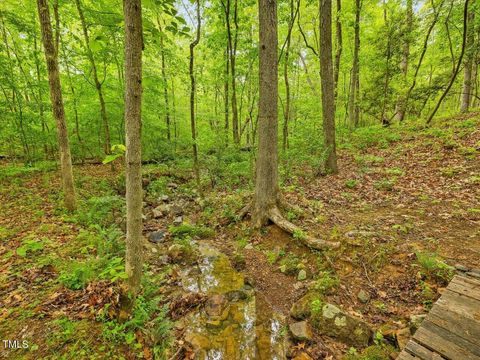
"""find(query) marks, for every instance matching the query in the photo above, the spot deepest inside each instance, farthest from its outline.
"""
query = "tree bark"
(98, 84)
(193, 126)
(327, 81)
(165, 82)
(460, 59)
(353, 108)
(400, 106)
(57, 104)
(266, 180)
(133, 123)
(468, 64)
(339, 46)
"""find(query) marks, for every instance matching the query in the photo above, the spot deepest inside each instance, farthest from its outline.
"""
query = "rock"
(156, 236)
(301, 309)
(215, 305)
(303, 356)
(197, 341)
(164, 198)
(178, 221)
(359, 233)
(301, 331)
(176, 210)
(163, 260)
(461, 268)
(416, 321)
(172, 185)
(402, 336)
(160, 211)
(248, 247)
(363, 296)
(302, 275)
(336, 323)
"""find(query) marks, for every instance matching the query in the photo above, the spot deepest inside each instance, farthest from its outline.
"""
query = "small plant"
(78, 275)
(191, 230)
(434, 267)
(450, 172)
(114, 270)
(316, 306)
(386, 184)
(325, 283)
(29, 245)
(351, 183)
(299, 234)
(395, 171)
(289, 264)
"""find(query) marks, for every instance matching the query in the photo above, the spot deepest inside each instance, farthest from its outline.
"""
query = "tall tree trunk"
(339, 46)
(266, 180)
(460, 59)
(165, 81)
(98, 84)
(386, 83)
(226, 91)
(353, 108)
(286, 117)
(193, 126)
(57, 104)
(400, 106)
(467, 71)
(133, 158)
(326, 75)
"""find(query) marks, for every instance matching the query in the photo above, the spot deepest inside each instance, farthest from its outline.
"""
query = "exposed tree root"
(276, 217)
(245, 210)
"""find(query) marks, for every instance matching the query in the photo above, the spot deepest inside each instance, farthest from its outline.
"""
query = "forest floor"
(405, 208)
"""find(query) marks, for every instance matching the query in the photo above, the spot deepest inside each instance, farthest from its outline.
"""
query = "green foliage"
(77, 275)
(374, 352)
(351, 183)
(325, 283)
(384, 184)
(290, 264)
(299, 234)
(118, 151)
(29, 246)
(434, 267)
(191, 230)
(102, 211)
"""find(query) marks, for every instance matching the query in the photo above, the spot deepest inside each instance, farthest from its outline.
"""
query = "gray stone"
(360, 233)
(160, 211)
(164, 198)
(248, 247)
(363, 296)
(176, 210)
(302, 308)
(172, 185)
(416, 321)
(301, 331)
(178, 221)
(461, 268)
(156, 236)
(302, 275)
(334, 322)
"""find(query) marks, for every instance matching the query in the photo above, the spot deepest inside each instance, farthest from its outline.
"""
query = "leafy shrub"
(102, 210)
(434, 267)
(325, 283)
(29, 245)
(351, 183)
(191, 230)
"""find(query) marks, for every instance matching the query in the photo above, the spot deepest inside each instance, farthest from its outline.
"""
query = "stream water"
(235, 323)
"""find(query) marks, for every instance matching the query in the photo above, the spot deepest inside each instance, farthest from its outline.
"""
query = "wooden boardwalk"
(451, 329)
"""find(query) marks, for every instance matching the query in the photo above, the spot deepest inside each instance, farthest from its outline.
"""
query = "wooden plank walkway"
(451, 329)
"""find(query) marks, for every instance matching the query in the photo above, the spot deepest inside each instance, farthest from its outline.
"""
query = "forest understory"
(404, 208)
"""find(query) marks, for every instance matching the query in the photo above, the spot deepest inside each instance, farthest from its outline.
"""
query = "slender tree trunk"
(468, 64)
(193, 126)
(98, 84)
(326, 75)
(266, 180)
(460, 59)
(286, 117)
(57, 104)
(339, 46)
(133, 123)
(400, 106)
(353, 108)
(165, 81)
(226, 91)
(387, 64)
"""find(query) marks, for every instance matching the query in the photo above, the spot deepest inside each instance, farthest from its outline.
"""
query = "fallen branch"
(276, 217)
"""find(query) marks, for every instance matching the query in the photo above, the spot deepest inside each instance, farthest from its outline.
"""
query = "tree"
(51, 57)
(193, 125)
(400, 106)
(98, 84)
(468, 65)
(459, 63)
(266, 201)
(133, 122)
(327, 80)
(339, 45)
(353, 108)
